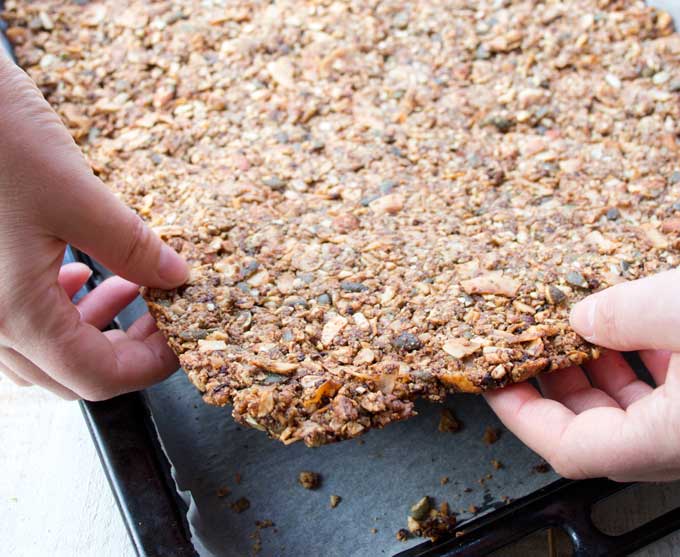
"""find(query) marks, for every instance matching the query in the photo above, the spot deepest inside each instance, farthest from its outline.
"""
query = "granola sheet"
(380, 201)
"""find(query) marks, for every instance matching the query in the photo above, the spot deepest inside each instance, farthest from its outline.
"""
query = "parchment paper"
(378, 480)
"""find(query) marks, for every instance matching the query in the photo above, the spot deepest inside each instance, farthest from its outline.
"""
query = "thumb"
(46, 171)
(114, 235)
(637, 315)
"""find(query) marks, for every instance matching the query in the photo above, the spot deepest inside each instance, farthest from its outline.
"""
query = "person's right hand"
(49, 197)
(601, 420)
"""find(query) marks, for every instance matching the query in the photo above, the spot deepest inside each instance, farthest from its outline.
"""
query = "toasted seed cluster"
(379, 200)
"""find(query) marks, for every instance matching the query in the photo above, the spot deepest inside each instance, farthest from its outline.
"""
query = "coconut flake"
(333, 326)
(211, 345)
(461, 347)
(492, 283)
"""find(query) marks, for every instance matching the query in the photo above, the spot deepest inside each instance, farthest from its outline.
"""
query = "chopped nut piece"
(412, 524)
(333, 326)
(604, 245)
(282, 368)
(671, 226)
(309, 480)
(390, 204)
(281, 71)
(335, 501)
(655, 238)
(421, 508)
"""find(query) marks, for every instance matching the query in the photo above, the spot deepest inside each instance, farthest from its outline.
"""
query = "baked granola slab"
(380, 200)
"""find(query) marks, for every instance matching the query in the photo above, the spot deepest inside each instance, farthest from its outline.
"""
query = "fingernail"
(582, 318)
(171, 267)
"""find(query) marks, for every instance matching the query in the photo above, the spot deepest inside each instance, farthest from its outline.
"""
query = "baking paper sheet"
(378, 480)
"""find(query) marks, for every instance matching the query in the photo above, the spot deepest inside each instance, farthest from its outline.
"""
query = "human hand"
(600, 419)
(49, 197)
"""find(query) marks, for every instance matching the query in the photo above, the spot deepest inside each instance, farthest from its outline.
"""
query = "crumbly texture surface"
(379, 200)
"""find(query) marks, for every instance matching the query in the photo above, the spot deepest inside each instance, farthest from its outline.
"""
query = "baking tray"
(157, 513)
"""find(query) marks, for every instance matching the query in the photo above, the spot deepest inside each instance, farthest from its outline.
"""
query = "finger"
(537, 421)
(637, 443)
(571, 387)
(27, 371)
(73, 276)
(79, 356)
(114, 235)
(656, 361)
(636, 315)
(85, 213)
(612, 374)
(101, 305)
(161, 360)
(142, 328)
(13, 377)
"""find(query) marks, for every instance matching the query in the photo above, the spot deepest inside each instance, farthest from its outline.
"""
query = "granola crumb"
(403, 534)
(240, 505)
(420, 510)
(541, 468)
(335, 501)
(256, 536)
(444, 480)
(497, 464)
(424, 520)
(448, 423)
(309, 480)
(491, 435)
(223, 491)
